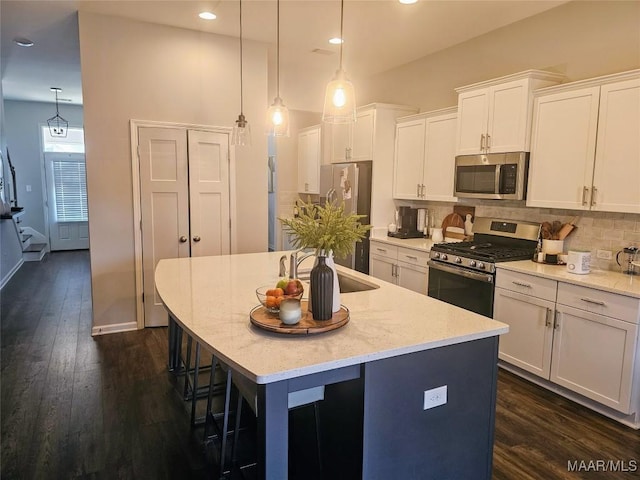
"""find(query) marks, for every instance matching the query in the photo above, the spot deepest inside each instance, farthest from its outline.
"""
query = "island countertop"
(211, 298)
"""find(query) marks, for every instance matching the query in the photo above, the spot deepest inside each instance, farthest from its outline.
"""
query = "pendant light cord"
(341, 30)
(278, 49)
(241, 89)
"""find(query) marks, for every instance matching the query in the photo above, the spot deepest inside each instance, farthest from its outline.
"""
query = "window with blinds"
(70, 190)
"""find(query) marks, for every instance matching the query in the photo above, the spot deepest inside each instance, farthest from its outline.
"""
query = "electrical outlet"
(435, 397)
(604, 254)
(28, 188)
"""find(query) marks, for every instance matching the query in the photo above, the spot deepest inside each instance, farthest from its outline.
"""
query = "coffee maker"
(407, 224)
(629, 264)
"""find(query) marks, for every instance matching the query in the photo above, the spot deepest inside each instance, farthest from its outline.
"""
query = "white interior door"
(164, 208)
(67, 201)
(209, 193)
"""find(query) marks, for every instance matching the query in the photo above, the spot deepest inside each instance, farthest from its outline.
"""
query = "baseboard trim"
(115, 328)
(9, 275)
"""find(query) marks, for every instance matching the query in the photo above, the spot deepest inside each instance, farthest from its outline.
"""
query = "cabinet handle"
(417, 190)
(488, 142)
(423, 189)
(393, 269)
(593, 195)
(594, 302)
(585, 192)
(547, 319)
(482, 142)
(183, 239)
(521, 284)
(412, 257)
(381, 250)
(556, 321)
(347, 153)
(196, 238)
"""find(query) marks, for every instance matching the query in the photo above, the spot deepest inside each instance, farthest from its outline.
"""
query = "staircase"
(31, 252)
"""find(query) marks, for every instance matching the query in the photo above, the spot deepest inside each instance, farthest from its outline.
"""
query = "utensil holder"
(552, 246)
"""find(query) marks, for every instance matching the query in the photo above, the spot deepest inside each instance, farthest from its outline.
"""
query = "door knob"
(196, 238)
(183, 239)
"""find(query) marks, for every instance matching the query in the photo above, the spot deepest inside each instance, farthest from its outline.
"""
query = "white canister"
(579, 262)
(436, 235)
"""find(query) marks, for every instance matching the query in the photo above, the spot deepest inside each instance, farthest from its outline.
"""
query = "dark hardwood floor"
(78, 407)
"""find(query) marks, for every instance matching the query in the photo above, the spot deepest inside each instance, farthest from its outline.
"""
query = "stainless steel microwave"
(497, 176)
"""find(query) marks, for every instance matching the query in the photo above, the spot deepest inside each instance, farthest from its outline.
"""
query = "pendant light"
(58, 126)
(278, 113)
(241, 134)
(340, 97)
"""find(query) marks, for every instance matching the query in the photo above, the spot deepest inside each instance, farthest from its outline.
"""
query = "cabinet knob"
(196, 238)
(183, 239)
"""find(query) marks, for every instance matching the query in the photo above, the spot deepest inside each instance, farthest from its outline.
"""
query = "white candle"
(290, 311)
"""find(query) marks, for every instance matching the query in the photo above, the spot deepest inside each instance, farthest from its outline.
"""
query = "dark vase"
(321, 290)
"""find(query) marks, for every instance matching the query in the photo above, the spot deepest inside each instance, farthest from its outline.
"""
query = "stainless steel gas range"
(463, 273)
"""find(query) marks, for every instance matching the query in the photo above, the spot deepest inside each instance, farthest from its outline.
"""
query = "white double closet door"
(184, 188)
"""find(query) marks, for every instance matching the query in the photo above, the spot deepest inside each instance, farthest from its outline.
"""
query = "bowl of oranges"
(270, 297)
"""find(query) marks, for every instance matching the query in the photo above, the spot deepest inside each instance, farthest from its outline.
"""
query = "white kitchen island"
(397, 343)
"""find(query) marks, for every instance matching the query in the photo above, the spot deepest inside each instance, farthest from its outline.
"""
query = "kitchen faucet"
(294, 261)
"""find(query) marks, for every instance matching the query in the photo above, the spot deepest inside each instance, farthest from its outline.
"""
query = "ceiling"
(379, 34)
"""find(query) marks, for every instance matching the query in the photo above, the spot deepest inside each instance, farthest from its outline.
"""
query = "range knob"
(472, 263)
(444, 256)
(436, 255)
(458, 260)
(481, 266)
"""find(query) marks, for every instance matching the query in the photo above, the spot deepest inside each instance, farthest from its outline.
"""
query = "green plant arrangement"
(326, 227)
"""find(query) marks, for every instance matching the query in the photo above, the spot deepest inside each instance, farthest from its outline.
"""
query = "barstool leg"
(187, 368)
(236, 430)
(225, 423)
(194, 390)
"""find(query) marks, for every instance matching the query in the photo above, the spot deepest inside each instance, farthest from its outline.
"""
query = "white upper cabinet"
(424, 156)
(353, 142)
(585, 147)
(616, 176)
(495, 116)
(309, 155)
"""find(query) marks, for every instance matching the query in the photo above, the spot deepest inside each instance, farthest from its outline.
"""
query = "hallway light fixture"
(278, 113)
(340, 97)
(58, 126)
(241, 134)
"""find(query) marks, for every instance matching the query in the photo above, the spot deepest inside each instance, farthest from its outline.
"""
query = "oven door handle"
(483, 277)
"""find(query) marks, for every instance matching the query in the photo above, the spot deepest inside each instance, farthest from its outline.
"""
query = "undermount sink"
(348, 284)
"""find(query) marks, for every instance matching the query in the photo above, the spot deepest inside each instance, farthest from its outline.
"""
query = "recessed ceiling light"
(408, 2)
(207, 15)
(336, 41)
(23, 42)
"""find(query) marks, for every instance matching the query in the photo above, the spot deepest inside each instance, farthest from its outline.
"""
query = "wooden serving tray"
(261, 318)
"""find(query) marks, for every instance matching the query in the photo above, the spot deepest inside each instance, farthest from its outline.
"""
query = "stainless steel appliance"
(629, 264)
(498, 176)
(407, 224)
(350, 183)
(463, 273)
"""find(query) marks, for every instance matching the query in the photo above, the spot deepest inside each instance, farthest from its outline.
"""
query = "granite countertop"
(211, 297)
(605, 280)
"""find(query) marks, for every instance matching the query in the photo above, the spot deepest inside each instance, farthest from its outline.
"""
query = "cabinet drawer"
(384, 250)
(415, 257)
(527, 284)
(599, 302)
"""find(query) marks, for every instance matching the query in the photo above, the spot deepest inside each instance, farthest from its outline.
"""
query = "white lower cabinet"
(582, 339)
(402, 266)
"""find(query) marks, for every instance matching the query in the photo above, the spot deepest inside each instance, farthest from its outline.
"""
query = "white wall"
(578, 39)
(134, 70)
(24, 120)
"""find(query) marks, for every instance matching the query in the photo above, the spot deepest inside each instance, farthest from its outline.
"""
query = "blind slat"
(70, 186)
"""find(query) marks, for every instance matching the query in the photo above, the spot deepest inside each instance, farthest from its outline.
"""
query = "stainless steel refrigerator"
(350, 183)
